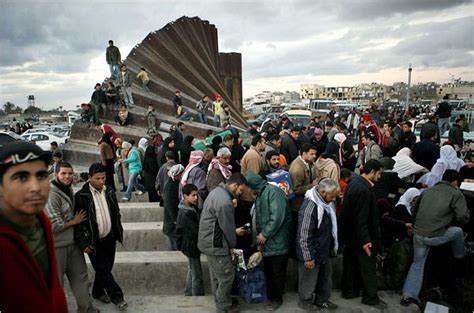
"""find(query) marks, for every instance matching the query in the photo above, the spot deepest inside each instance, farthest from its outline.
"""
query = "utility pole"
(408, 89)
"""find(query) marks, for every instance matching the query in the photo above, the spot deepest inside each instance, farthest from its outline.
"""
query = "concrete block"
(143, 237)
(140, 212)
(152, 272)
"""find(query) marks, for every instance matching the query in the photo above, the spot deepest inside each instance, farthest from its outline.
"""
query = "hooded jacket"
(272, 215)
(87, 233)
(217, 223)
(60, 209)
(327, 168)
(23, 285)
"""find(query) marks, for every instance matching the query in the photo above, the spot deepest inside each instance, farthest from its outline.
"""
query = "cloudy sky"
(55, 49)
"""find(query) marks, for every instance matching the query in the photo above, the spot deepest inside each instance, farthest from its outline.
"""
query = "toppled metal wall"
(184, 55)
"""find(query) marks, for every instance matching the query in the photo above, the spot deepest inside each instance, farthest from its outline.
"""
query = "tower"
(31, 101)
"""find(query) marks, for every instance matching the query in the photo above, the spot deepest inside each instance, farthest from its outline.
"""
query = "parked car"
(8, 136)
(44, 139)
(34, 131)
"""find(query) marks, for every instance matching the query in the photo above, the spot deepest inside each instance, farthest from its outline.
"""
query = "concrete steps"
(153, 280)
(205, 304)
(143, 237)
(140, 212)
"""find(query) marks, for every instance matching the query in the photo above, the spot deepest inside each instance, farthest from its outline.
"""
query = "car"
(34, 131)
(299, 117)
(8, 136)
(44, 139)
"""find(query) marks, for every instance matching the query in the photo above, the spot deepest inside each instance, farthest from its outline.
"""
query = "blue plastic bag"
(252, 285)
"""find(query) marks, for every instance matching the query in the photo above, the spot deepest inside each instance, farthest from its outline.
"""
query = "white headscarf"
(313, 195)
(143, 143)
(448, 160)
(404, 165)
(408, 197)
(175, 170)
(448, 156)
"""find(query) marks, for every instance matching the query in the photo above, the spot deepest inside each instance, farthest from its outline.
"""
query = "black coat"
(289, 148)
(360, 216)
(407, 140)
(393, 226)
(170, 204)
(389, 183)
(150, 168)
(426, 153)
(320, 144)
(187, 231)
(87, 233)
(456, 135)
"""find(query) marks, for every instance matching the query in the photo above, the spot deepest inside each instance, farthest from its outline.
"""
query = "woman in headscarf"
(150, 170)
(168, 145)
(404, 166)
(448, 160)
(142, 145)
(185, 150)
(107, 158)
(397, 229)
(194, 174)
(170, 205)
(319, 140)
(345, 155)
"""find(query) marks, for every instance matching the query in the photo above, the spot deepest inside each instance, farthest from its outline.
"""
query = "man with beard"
(360, 231)
(60, 210)
(272, 163)
(28, 269)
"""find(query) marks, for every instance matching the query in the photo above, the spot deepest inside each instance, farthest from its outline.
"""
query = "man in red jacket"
(28, 269)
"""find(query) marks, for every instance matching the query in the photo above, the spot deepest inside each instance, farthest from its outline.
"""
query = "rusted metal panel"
(184, 56)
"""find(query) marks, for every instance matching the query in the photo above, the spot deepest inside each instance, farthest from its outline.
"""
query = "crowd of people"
(359, 185)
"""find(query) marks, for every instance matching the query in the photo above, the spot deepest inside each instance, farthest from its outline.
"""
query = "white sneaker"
(125, 199)
(139, 192)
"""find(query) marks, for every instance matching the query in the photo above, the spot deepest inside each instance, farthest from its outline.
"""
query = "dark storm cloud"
(374, 9)
(276, 38)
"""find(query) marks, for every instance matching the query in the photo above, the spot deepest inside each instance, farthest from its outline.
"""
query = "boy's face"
(192, 198)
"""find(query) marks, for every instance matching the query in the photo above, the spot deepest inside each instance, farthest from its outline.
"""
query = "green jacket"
(272, 215)
(440, 207)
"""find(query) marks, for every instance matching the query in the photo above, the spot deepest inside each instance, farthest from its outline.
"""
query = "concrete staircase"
(153, 279)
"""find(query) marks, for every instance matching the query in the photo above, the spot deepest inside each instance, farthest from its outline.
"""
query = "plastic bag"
(253, 285)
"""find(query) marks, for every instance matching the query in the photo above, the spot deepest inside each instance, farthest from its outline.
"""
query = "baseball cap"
(18, 152)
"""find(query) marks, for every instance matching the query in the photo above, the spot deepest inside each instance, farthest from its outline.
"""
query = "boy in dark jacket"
(187, 230)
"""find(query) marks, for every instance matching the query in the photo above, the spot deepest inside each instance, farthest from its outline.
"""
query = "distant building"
(457, 90)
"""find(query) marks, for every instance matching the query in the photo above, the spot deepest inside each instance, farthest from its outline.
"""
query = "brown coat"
(252, 161)
(302, 178)
(214, 178)
(106, 152)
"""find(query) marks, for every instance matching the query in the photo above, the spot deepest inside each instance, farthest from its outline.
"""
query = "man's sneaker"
(139, 192)
(272, 306)
(328, 306)
(231, 309)
(408, 301)
(308, 306)
(122, 305)
(125, 199)
(103, 299)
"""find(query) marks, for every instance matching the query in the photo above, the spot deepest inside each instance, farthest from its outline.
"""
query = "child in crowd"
(187, 229)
